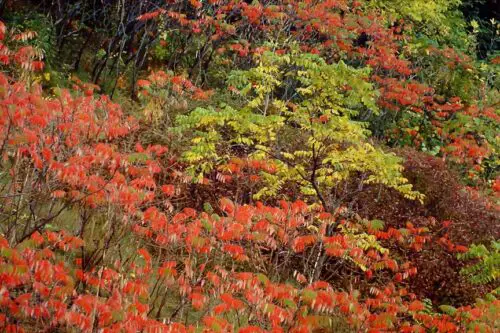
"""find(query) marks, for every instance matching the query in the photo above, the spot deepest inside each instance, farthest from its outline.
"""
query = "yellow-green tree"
(299, 114)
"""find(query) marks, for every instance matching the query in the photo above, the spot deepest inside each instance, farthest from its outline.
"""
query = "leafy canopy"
(299, 114)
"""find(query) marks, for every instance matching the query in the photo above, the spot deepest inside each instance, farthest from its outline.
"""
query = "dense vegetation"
(249, 166)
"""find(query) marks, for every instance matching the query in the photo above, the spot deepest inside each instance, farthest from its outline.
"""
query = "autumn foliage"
(288, 171)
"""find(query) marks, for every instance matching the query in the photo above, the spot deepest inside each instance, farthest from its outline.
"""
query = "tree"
(299, 119)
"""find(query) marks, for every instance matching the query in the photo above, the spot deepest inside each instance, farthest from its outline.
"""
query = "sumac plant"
(99, 230)
(152, 266)
(298, 125)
